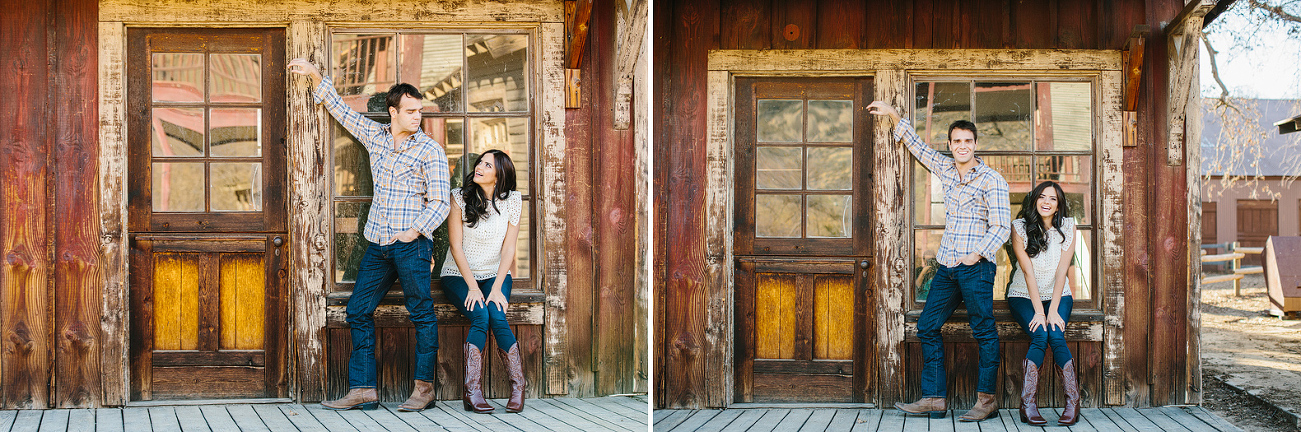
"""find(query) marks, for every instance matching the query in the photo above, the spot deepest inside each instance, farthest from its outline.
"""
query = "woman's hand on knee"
(498, 298)
(1056, 321)
(472, 298)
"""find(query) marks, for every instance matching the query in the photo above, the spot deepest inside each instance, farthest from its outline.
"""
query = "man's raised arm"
(904, 131)
(323, 92)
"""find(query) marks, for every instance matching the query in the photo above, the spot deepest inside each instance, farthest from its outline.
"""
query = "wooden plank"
(1215, 421)
(24, 219)
(1030, 24)
(210, 303)
(218, 417)
(841, 24)
(1077, 24)
(582, 409)
(156, 12)
(608, 404)
(582, 130)
(135, 419)
(328, 418)
(191, 419)
(1136, 419)
(28, 420)
(77, 270)
(272, 417)
(930, 59)
(82, 420)
(397, 315)
(737, 420)
(1162, 421)
(696, 420)
(613, 222)
(54, 420)
(793, 420)
(577, 25)
(114, 346)
(819, 421)
(718, 269)
(719, 420)
(745, 24)
(304, 420)
(548, 421)
(106, 420)
(192, 381)
(246, 418)
(867, 420)
(164, 418)
(892, 420)
(769, 421)
(552, 246)
(1183, 418)
(958, 331)
(360, 420)
(794, 26)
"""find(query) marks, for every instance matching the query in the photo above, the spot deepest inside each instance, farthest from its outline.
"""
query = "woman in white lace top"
(483, 227)
(1043, 240)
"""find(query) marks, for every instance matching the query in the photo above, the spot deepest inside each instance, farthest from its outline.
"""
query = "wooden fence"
(1234, 255)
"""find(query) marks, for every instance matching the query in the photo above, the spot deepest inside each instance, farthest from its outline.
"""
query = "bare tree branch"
(1276, 11)
(1215, 69)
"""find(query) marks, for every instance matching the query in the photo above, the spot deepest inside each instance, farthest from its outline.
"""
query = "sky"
(1269, 69)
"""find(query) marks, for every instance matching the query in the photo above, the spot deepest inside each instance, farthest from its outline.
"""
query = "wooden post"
(309, 227)
(892, 231)
(114, 367)
(552, 200)
(1233, 266)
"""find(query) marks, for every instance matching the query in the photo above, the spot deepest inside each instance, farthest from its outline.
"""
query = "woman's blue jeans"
(481, 318)
(952, 286)
(1041, 339)
(379, 268)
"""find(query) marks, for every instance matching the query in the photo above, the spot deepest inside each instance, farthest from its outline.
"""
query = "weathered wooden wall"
(1151, 347)
(50, 276)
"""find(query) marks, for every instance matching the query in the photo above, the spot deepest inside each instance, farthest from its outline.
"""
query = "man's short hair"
(398, 90)
(964, 125)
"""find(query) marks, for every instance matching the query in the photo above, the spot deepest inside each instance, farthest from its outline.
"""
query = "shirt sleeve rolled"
(360, 126)
(932, 159)
(437, 198)
(1000, 221)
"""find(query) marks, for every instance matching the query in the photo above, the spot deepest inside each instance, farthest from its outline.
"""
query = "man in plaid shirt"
(978, 220)
(411, 200)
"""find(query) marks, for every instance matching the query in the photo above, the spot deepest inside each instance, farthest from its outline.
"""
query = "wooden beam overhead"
(1290, 125)
(1182, 37)
(576, 26)
(1196, 9)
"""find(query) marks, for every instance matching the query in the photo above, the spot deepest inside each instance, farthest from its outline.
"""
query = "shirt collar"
(411, 141)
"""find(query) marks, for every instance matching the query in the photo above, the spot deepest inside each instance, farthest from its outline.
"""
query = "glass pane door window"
(477, 97)
(1029, 131)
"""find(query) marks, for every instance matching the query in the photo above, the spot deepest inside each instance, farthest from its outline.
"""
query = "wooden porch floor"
(1165, 419)
(615, 413)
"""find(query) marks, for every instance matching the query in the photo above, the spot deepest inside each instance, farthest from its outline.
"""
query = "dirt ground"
(1244, 346)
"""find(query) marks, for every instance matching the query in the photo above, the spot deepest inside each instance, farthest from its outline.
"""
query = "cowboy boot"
(986, 407)
(422, 396)
(473, 397)
(363, 398)
(1071, 386)
(515, 368)
(935, 407)
(1030, 395)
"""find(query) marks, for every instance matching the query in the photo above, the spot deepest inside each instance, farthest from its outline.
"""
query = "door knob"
(280, 241)
(864, 264)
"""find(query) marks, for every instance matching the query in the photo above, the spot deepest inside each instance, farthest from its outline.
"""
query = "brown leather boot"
(515, 369)
(422, 396)
(363, 398)
(1071, 386)
(935, 407)
(473, 397)
(1030, 396)
(986, 407)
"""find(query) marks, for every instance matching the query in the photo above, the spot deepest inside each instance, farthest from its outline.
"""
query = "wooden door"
(1257, 220)
(206, 166)
(802, 239)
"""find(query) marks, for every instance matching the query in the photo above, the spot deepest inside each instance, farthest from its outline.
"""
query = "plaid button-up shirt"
(977, 215)
(410, 178)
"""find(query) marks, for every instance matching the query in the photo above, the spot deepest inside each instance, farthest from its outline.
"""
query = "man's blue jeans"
(973, 285)
(379, 268)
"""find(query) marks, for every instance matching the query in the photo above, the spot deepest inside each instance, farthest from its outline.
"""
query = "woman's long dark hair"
(476, 205)
(1036, 238)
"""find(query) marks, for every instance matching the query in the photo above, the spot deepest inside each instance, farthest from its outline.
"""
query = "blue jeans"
(481, 318)
(1040, 339)
(379, 268)
(973, 285)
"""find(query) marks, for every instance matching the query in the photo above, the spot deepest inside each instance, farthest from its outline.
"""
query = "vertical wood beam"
(892, 232)
(642, 282)
(576, 32)
(552, 245)
(1111, 221)
(718, 272)
(77, 266)
(114, 366)
(25, 147)
(663, 133)
(309, 227)
(1193, 376)
(1182, 39)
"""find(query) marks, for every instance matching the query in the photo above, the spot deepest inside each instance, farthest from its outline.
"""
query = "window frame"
(529, 283)
(1094, 77)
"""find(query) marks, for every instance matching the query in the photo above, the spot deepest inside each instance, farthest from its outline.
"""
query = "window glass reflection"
(349, 241)
(433, 63)
(939, 104)
(830, 216)
(177, 187)
(235, 77)
(176, 132)
(1002, 115)
(777, 167)
(510, 135)
(1064, 118)
(235, 132)
(777, 216)
(831, 121)
(495, 79)
(351, 165)
(780, 120)
(364, 67)
(829, 168)
(236, 186)
(177, 77)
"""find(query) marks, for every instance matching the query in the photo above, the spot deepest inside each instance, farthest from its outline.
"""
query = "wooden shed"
(794, 241)
(179, 220)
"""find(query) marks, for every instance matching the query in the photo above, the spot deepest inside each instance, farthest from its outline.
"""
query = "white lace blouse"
(482, 243)
(1045, 264)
